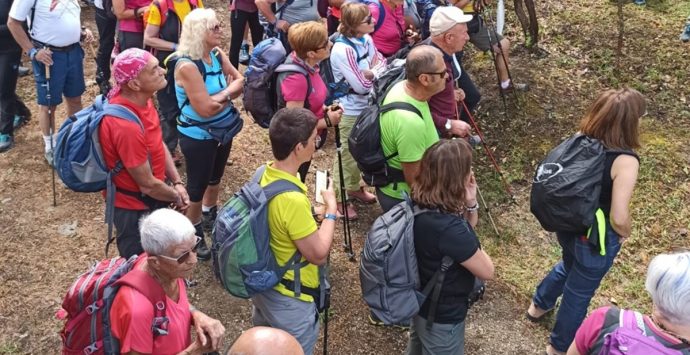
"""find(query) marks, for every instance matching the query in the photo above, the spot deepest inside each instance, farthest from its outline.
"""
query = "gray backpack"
(388, 271)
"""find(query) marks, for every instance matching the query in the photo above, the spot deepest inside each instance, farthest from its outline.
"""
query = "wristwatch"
(448, 125)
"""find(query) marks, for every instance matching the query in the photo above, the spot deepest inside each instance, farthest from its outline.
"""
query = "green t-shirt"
(406, 133)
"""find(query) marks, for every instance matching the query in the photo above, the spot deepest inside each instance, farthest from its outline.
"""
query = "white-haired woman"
(668, 283)
(170, 244)
(204, 98)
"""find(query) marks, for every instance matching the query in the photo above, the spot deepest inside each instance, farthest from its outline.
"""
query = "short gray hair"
(163, 229)
(668, 282)
(194, 29)
(419, 61)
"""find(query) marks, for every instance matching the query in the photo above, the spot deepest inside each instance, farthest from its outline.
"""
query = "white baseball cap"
(445, 17)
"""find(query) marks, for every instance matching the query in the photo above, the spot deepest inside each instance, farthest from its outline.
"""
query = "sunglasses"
(184, 256)
(215, 28)
(325, 45)
(441, 74)
(368, 20)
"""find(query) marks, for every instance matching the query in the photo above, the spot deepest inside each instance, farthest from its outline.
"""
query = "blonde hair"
(614, 118)
(443, 171)
(352, 15)
(307, 36)
(194, 29)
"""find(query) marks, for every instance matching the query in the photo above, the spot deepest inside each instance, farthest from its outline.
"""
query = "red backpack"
(86, 307)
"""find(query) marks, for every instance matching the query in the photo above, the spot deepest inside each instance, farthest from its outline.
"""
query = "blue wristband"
(330, 216)
(32, 53)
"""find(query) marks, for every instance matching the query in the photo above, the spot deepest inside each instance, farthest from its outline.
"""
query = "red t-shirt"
(122, 140)
(132, 316)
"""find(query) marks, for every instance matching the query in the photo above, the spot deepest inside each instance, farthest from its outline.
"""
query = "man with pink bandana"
(149, 179)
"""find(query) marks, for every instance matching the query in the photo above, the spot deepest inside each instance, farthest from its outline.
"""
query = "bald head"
(265, 341)
(420, 60)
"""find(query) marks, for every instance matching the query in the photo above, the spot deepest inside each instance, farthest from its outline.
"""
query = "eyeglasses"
(184, 256)
(441, 74)
(215, 28)
(325, 45)
(368, 20)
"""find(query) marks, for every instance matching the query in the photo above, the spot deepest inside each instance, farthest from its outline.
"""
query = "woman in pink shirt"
(310, 44)
(390, 26)
(130, 22)
(168, 239)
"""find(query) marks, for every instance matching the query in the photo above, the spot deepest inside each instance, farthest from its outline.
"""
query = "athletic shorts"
(479, 36)
(66, 76)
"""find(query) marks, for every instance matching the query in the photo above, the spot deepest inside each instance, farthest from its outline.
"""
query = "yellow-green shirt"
(406, 133)
(290, 219)
(469, 8)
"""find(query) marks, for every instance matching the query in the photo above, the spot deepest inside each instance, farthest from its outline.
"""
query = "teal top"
(215, 82)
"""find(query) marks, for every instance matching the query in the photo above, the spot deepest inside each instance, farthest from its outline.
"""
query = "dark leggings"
(10, 104)
(131, 40)
(205, 160)
(238, 22)
(106, 42)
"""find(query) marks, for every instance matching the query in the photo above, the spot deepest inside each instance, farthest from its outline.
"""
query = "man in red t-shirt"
(141, 185)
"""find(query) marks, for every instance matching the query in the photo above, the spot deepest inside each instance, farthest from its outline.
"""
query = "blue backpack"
(242, 257)
(78, 156)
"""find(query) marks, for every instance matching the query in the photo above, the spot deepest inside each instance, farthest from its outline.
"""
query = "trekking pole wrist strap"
(474, 208)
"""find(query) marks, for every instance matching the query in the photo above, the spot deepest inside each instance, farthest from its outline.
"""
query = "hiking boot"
(685, 36)
(351, 213)
(203, 253)
(373, 320)
(474, 140)
(6, 142)
(362, 196)
(23, 71)
(515, 87)
(208, 219)
(244, 54)
(49, 157)
(19, 121)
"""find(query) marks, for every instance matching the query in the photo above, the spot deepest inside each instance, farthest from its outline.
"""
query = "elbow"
(620, 222)
(490, 273)
(147, 40)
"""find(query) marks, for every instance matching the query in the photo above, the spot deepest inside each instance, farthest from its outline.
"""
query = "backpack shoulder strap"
(193, 4)
(144, 284)
(163, 7)
(347, 41)
(294, 68)
(123, 112)
(399, 105)
(256, 178)
(381, 18)
(436, 284)
(278, 187)
(283, 7)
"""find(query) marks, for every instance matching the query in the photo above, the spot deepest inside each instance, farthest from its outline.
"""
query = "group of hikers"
(171, 86)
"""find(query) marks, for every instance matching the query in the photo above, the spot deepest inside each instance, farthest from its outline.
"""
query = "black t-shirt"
(437, 235)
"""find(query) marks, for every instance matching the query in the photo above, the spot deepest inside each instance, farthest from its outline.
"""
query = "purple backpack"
(624, 333)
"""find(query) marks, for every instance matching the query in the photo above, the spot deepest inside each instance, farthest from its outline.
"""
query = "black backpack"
(567, 184)
(365, 138)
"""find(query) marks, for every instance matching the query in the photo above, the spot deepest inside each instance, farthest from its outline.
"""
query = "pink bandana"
(127, 66)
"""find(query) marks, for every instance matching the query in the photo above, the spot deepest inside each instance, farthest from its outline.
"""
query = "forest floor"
(46, 247)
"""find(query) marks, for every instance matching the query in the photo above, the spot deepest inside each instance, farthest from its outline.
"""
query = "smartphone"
(321, 184)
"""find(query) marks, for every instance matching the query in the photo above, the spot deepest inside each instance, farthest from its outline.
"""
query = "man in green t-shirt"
(293, 142)
(405, 132)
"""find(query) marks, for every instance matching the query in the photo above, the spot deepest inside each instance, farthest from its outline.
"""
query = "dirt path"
(39, 263)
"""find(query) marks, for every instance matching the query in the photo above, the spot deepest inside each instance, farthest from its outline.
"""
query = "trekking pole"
(488, 212)
(498, 76)
(488, 151)
(327, 306)
(505, 60)
(347, 237)
(50, 132)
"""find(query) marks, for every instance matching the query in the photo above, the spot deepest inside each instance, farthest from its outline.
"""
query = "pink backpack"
(624, 333)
